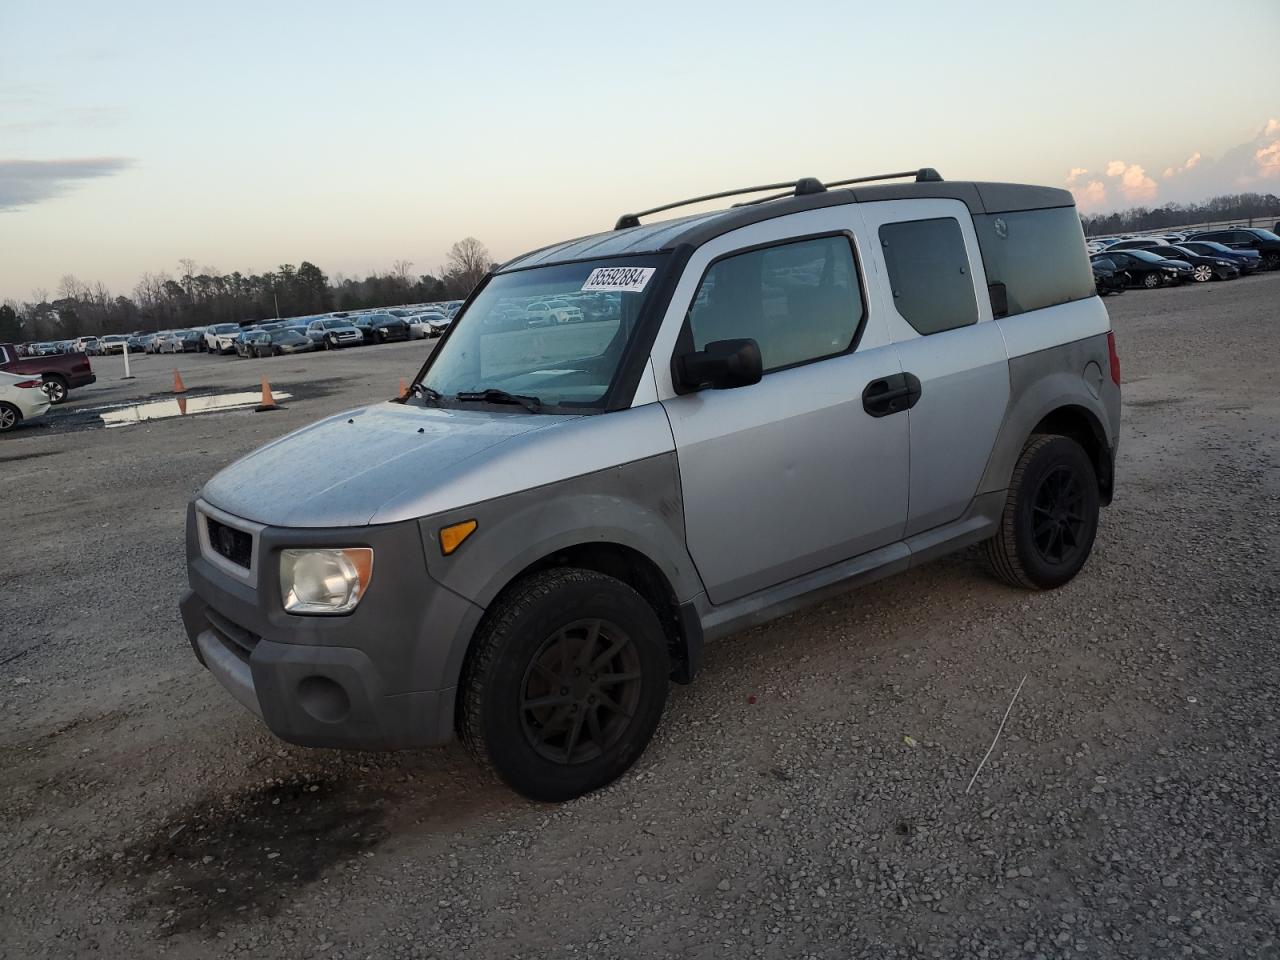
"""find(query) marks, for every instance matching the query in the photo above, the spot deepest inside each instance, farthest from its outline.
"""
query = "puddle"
(183, 406)
(248, 854)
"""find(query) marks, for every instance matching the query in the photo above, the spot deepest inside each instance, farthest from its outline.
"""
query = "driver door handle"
(892, 394)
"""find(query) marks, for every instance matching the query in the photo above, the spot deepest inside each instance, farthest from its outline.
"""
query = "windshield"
(1263, 234)
(565, 352)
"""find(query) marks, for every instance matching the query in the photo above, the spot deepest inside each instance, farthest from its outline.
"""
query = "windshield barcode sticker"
(618, 279)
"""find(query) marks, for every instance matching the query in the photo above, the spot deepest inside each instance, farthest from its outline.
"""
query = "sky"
(247, 135)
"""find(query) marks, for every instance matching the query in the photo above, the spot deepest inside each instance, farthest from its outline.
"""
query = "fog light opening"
(324, 699)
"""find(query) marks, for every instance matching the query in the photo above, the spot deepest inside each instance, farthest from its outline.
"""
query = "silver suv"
(761, 406)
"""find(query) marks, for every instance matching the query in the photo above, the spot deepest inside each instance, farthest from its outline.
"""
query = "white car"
(115, 343)
(22, 397)
(220, 338)
(425, 325)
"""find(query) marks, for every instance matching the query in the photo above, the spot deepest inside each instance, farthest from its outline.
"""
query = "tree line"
(1231, 206)
(198, 296)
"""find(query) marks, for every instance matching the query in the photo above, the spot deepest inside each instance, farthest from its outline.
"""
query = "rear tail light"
(30, 384)
(1114, 357)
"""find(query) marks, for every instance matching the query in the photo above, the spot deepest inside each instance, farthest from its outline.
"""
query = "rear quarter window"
(929, 274)
(1039, 256)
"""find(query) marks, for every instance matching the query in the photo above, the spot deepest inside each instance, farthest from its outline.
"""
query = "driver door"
(797, 472)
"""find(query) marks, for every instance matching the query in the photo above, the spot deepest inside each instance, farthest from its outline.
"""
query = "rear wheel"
(565, 683)
(56, 388)
(10, 417)
(1202, 274)
(1050, 518)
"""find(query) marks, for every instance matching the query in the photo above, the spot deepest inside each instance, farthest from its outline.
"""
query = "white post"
(127, 374)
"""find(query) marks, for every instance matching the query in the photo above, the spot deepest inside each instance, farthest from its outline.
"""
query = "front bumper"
(383, 677)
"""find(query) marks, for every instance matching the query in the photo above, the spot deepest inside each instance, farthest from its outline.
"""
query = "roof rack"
(792, 188)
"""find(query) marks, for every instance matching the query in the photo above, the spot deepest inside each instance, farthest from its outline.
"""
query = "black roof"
(698, 228)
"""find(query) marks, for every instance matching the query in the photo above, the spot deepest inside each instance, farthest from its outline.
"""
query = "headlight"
(324, 580)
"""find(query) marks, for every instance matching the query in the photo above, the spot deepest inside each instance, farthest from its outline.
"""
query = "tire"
(1271, 260)
(1151, 281)
(10, 417)
(56, 388)
(1202, 274)
(328, 343)
(575, 742)
(1053, 498)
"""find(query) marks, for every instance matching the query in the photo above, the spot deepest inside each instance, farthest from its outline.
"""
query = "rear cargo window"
(1039, 256)
(929, 274)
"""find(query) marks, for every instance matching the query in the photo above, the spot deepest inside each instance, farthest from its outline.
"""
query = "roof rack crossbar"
(805, 185)
(633, 219)
(923, 175)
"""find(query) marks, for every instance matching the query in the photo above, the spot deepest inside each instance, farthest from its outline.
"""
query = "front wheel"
(1271, 260)
(1151, 281)
(1202, 274)
(1050, 518)
(565, 683)
(56, 389)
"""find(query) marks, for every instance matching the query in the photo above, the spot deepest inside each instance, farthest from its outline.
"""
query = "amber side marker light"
(451, 537)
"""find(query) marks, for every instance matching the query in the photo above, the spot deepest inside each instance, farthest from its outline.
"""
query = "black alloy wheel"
(580, 691)
(1057, 515)
(564, 684)
(1050, 518)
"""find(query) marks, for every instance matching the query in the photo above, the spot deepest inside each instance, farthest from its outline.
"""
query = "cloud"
(1075, 174)
(1135, 186)
(1092, 196)
(1189, 165)
(1272, 129)
(1269, 160)
(26, 182)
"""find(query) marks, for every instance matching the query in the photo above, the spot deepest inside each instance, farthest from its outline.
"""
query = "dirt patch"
(247, 854)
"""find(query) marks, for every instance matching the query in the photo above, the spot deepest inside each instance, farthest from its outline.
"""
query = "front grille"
(231, 543)
(235, 638)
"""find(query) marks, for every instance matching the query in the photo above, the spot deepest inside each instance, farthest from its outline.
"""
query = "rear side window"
(929, 274)
(1038, 255)
(799, 301)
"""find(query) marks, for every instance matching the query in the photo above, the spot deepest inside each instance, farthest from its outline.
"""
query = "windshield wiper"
(494, 395)
(427, 393)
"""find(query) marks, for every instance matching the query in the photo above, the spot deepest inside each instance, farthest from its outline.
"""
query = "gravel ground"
(806, 797)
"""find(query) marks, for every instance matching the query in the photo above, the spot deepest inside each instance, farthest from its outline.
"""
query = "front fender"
(636, 505)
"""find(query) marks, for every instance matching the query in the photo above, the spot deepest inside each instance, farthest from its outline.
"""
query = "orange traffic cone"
(177, 383)
(268, 403)
(404, 389)
(182, 405)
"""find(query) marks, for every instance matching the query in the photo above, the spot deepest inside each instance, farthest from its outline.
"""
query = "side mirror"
(721, 364)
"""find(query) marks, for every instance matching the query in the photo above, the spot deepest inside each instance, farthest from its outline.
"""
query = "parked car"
(1135, 243)
(381, 327)
(1247, 260)
(244, 341)
(568, 524)
(1106, 278)
(425, 325)
(215, 335)
(22, 397)
(179, 341)
(60, 373)
(87, 345)
(334, 332)
(1266, 243)
(1144, 269)
(113, 343)
(1203, 269)
(274, 343)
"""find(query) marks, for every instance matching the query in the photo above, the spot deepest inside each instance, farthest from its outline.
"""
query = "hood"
(340, 471)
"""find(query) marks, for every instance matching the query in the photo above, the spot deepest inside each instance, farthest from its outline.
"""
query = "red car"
(61, 372)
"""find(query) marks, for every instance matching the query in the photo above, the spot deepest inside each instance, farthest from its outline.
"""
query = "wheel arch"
(1049, 393)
